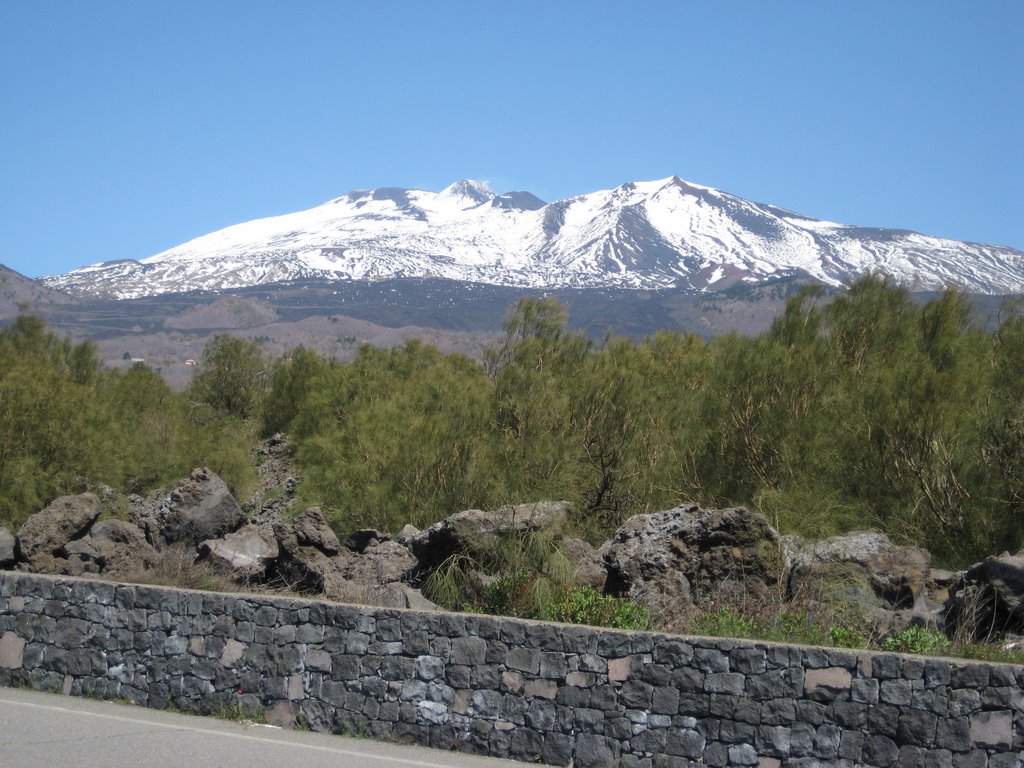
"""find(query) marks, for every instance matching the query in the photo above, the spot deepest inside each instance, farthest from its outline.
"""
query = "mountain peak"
(467, 189)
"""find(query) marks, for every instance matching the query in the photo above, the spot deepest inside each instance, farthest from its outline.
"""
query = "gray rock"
(146, 512)
(992, 729)
(375, 577)
(277, 484)
(414, 598)
(475, 530)
(688, 554)
(939, 585)
(408, 531)
(201, 508)
(863, 567)
(7, 548)
(880, 750)
(594, 751)
(743, 754)
(114, 548)
(198, 509)
(1013, 643)
(311, 530)
(310, 557)
(358, 541)
(988, 601)
(386, 562)
(245, 553)
(45, 534)
(588, 561)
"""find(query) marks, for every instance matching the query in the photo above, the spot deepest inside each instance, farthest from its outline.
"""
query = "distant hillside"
(18, 293)
(336, 317)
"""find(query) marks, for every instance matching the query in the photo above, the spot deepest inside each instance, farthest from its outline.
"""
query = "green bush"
(918, 639)
(993, 653)
(724, 622)
(868, 410)
(845, 637)
(508, 595)
(585, 605)
(231, 377)
(801, 628)
(68, 426)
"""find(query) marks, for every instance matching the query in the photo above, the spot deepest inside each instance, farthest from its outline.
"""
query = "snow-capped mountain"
(644, 235)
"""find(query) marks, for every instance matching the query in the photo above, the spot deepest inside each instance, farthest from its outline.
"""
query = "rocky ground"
(673, 562)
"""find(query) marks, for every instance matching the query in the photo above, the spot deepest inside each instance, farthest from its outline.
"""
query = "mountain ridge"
(667, 233)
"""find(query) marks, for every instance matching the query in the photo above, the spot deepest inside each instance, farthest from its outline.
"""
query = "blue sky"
(130, 127)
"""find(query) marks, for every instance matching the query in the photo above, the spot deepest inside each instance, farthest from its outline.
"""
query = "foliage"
(291, 382)
(724, 622)
(231, 377)
(47, 413)
(869, 409)
(533, 580)
(846, 637)
(785, 627)
(176, 566)
(393, 437)
(509, 575)
(866, 410)
(240, 711)
(529, 594)
(506, 595)
(585, 605)
(986, 652)
(68, 425)
(918, 639)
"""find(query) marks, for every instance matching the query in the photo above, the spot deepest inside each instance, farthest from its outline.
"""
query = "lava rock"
(474, 530)
(200, 508)
(246, 553)
(310, 554)
(45, 534)
(988, 601)
(864, 567)
(114, 548)
(689, 555)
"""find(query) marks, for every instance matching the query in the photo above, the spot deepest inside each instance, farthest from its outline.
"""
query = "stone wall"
(537, 692)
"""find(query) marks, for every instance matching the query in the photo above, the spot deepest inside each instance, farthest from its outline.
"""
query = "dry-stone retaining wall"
(558, 694)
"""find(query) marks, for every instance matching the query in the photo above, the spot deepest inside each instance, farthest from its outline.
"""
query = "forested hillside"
(863, 411)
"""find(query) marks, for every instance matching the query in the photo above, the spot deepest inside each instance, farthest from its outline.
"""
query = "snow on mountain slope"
(666, 233)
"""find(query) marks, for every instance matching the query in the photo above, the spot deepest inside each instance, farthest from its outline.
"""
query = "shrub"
(508, 595)
(845, 637)
(724, 622)
(585, 605)
(917, 639)
(801, 628)
(786, 627)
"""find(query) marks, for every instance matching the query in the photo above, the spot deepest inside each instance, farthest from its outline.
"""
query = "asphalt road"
(48, 730)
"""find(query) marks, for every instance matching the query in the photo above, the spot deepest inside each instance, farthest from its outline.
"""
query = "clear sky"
(131, 126)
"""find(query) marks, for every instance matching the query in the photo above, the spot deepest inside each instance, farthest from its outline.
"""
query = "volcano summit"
(644, 235)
